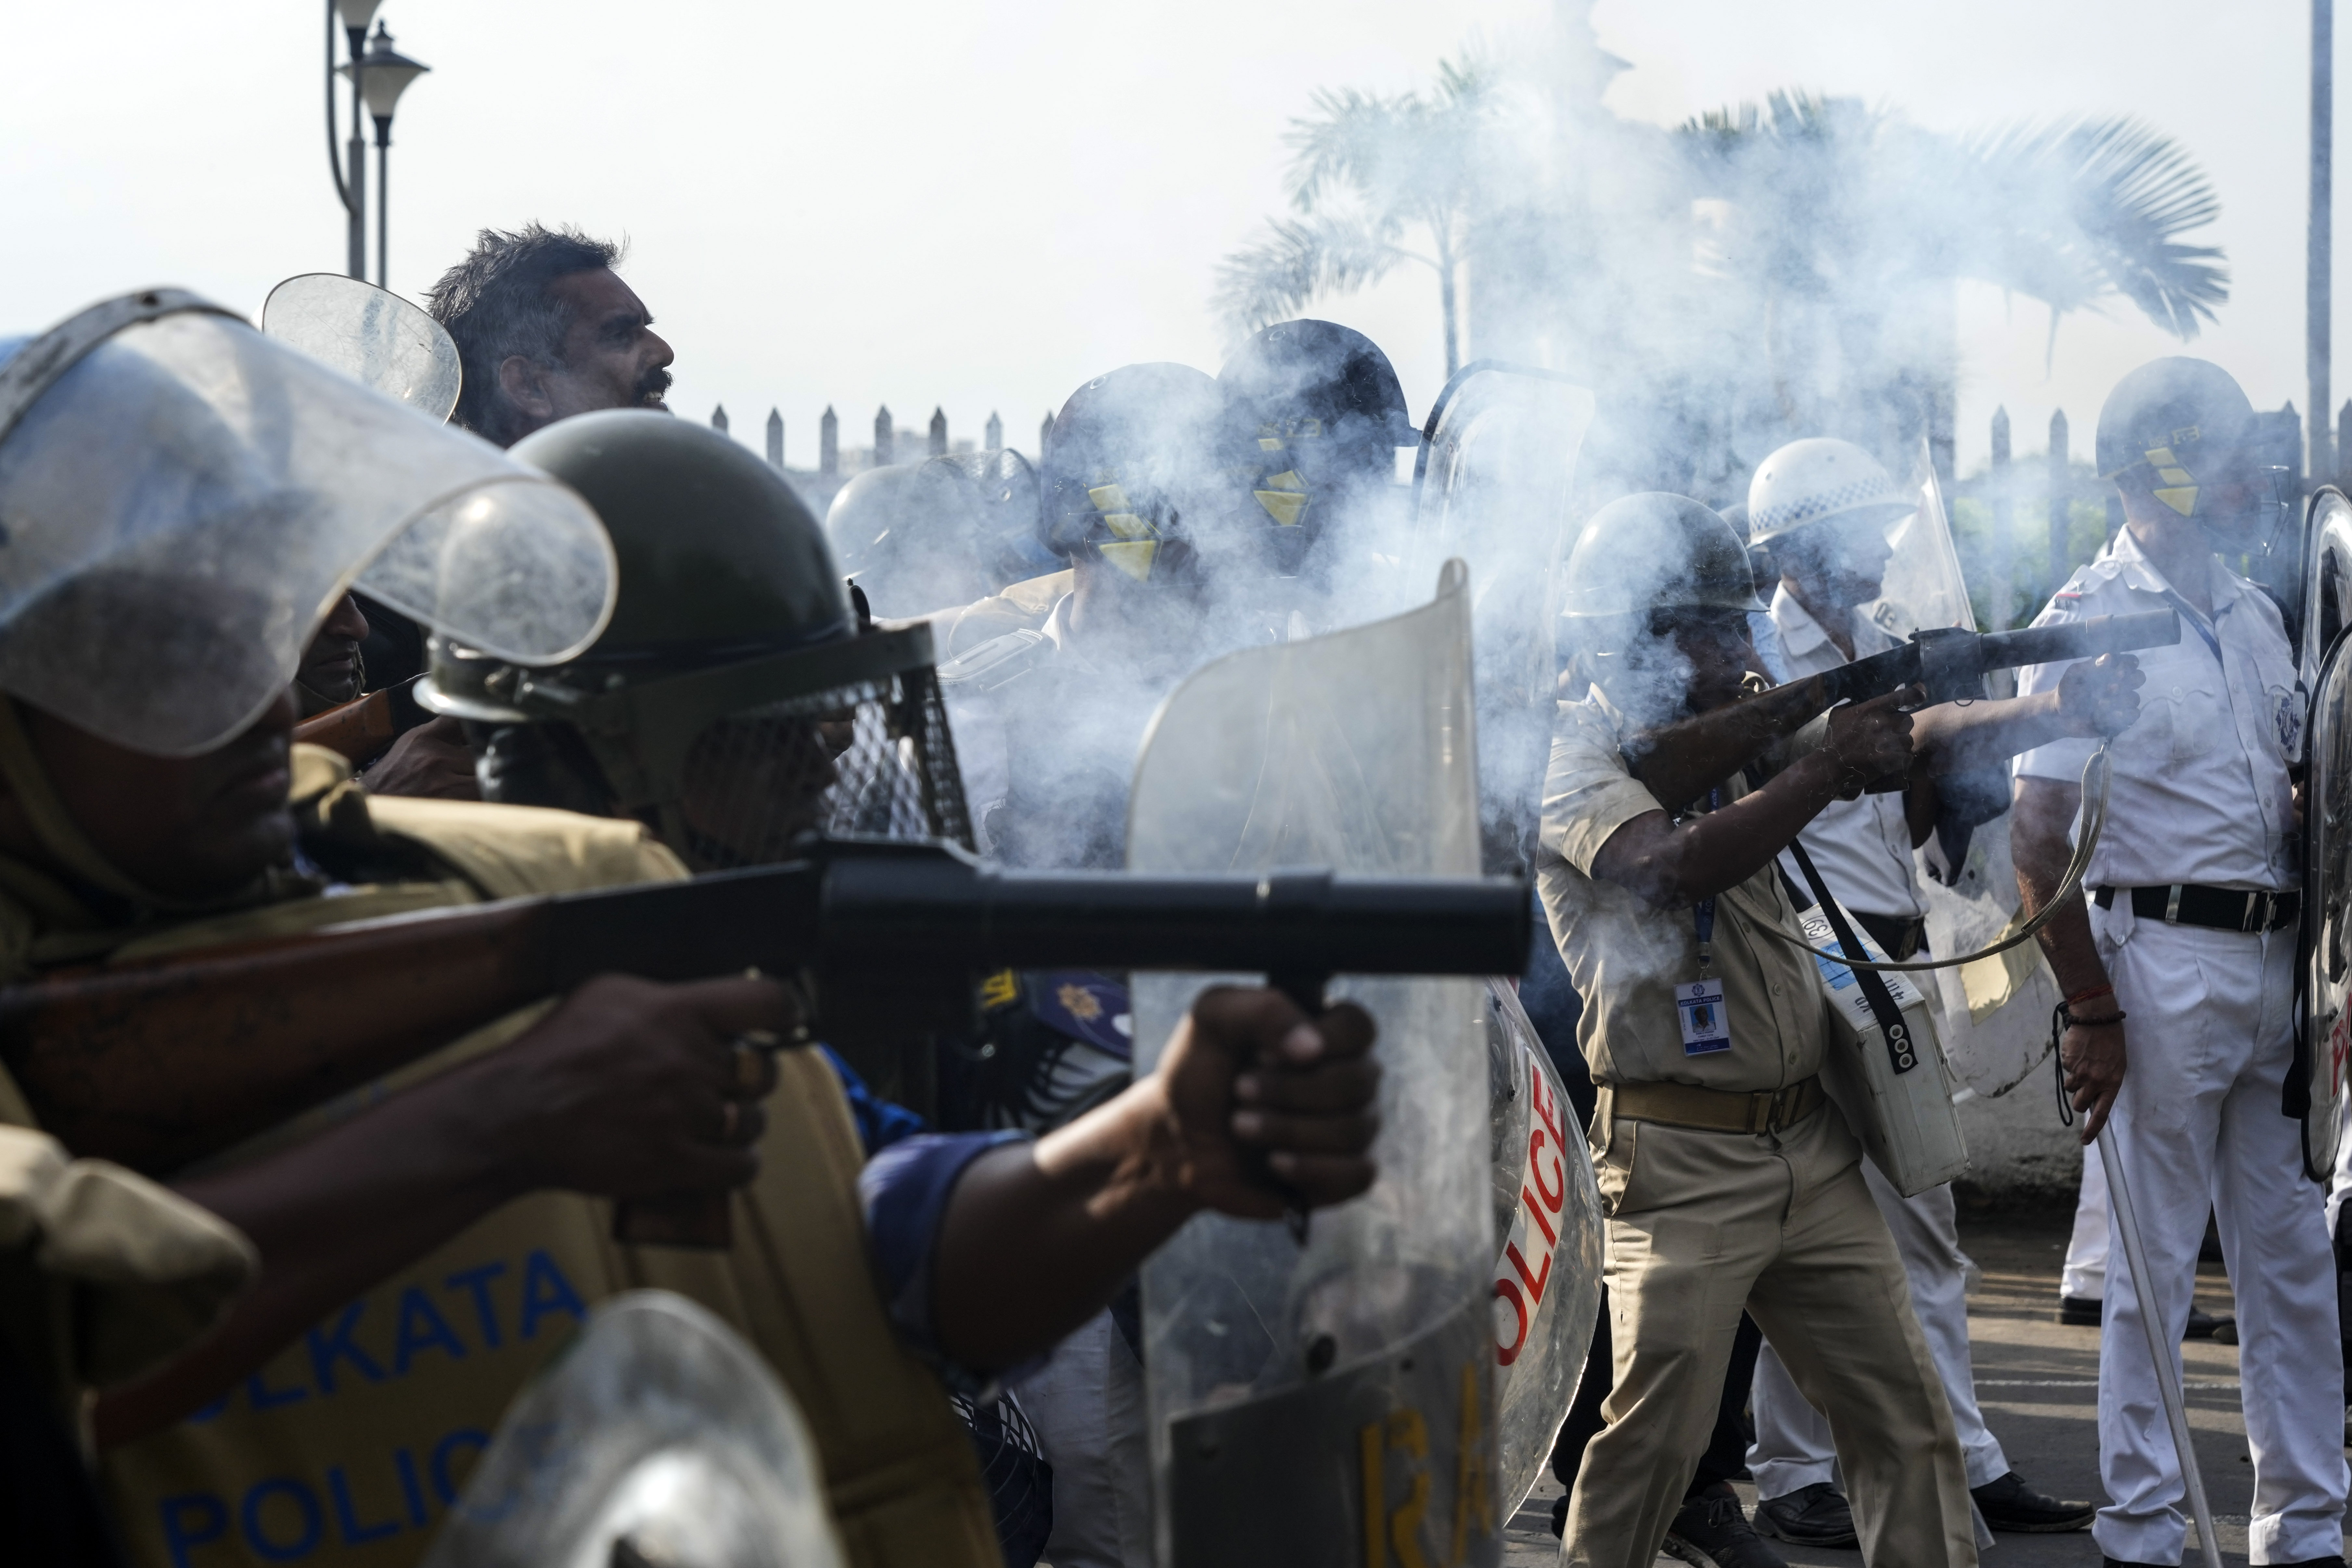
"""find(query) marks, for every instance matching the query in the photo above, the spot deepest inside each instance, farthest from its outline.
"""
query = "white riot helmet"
(1820, 479)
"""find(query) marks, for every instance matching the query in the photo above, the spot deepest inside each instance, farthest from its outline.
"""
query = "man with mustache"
(546, 329)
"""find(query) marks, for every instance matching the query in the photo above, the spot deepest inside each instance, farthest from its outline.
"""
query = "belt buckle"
(2258, 905)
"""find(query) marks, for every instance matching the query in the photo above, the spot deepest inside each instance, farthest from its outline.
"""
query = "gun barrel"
(941, 911)
(2080, 640)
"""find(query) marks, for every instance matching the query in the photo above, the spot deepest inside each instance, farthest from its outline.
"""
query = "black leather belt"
(1900, 937)
(2219, 909)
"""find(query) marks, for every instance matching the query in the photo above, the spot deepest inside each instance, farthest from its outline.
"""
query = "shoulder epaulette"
(997, 660)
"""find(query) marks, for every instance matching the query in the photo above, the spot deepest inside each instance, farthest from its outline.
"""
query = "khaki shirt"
(1626, 958)
(348, 1448)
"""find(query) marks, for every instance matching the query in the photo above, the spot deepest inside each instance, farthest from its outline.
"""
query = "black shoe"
(2008, 1503)
(2202, 1326)
(1816, 1515)
(1710, 1532)
(2079, 1311)
(2225, 1332)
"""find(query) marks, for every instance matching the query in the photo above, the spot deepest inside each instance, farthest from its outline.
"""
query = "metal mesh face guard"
(874, 758)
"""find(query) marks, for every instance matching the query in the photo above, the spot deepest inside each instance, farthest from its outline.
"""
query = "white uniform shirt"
(2200, 792)
(1861, 848)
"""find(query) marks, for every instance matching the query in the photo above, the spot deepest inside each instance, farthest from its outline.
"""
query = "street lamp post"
(356, 15)
(383, 75)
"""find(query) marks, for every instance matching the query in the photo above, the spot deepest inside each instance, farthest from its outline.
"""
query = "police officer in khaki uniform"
(426, 1241)
(1729, 1181)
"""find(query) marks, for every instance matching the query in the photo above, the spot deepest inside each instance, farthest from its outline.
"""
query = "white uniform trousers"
(1792, 1445)
(1087, 1404)
(2085, 1277)
(2209, 1039)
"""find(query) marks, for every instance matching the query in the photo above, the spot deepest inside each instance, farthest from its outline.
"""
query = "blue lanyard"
(1703, 912)
(2197, 624)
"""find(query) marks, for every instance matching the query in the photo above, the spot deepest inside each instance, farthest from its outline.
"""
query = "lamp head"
(384, 74)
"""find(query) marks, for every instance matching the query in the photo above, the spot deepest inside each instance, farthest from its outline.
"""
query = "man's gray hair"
(496, 304)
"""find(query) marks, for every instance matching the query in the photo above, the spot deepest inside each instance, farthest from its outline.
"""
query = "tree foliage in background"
(1367, 176)
(1760, 272)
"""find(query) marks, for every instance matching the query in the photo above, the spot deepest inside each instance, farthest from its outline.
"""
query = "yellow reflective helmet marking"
(1127, 525)
(2182, 500)
(1000, 989)
(1135, 558)
(1109, 498)
(1286, 507)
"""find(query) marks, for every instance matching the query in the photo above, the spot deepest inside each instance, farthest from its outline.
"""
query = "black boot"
(1711, 1532)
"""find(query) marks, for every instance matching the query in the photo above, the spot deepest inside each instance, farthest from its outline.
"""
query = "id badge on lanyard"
(1698, 1004)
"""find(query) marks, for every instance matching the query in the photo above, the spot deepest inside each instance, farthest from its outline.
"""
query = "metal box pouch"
(1329, 1403)
(1904, 1118)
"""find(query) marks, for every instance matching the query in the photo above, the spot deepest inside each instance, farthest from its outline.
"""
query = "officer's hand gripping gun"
(157, 1063)
(1679, 761)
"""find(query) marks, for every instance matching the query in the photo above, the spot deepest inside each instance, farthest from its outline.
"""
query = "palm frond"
(2106, 200)
(1298, 259)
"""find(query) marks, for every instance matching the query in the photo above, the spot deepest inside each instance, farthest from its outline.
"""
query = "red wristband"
(2087, 995)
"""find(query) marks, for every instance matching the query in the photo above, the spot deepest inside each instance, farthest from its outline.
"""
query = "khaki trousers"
(1703, 1224)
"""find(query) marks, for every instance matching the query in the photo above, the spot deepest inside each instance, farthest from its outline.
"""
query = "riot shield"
(659, 1437)
(372, 335)
(2326, 1026)
(164, 466)
(1547, 1238)
(1330, 1403)
(1922, 588)
(1493, 488)
(2315, 1089)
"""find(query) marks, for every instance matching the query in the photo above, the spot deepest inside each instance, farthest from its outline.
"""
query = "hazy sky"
(980, 204)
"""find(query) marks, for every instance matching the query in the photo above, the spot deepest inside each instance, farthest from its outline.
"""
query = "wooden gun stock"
(365, 728)
(157, 1063)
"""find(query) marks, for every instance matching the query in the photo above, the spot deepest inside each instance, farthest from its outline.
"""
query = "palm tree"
(1367, 174)
(1838, 199)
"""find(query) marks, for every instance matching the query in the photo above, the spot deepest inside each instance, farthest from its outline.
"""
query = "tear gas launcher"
(157, 1063)
(1680, 760)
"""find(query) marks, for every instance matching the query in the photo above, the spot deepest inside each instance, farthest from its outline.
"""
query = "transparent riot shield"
(2325, 1040)
(1330, 1404)
(1547, 1238)
(1923, 587)
(372, 335)
(167, 471)
(658, 1438)
(2328, 579)
(1494, 489)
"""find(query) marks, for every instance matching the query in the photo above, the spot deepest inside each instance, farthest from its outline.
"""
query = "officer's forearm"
(332, 1217)
(1039, 1237)
(2041, 818)
(1952, 737)
(1665, 865)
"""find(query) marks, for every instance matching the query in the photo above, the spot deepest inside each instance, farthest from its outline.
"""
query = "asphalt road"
(2038, 1382)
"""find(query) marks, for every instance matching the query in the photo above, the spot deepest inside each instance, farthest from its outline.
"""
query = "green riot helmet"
(1317, 416)
(1130, 472)
(2185, 428)
(734, 702)
(1641, 566)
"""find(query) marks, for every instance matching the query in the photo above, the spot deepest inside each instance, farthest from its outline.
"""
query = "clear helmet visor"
(372, 335)
(184, 502)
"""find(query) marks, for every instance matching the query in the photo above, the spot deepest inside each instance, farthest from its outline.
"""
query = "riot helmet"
(737, 700)
(1131, 472)
(1318, 415)
(656, 1435)
(1824, 510)
(923, 536)
(2185, 429)
(184, 500)
(1644, 569)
